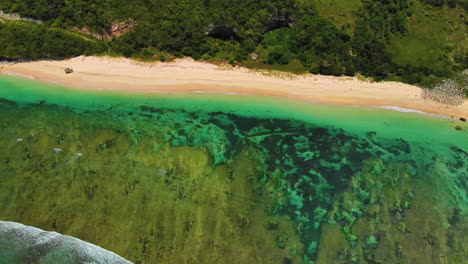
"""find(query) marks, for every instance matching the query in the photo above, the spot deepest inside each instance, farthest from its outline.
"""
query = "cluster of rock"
(450, 92)
(306, 167)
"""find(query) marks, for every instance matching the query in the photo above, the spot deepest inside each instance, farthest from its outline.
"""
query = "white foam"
(402, 109)
(105, 89)
(19, 75)
(409, 110)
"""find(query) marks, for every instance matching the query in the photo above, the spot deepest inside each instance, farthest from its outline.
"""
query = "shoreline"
(188, 76)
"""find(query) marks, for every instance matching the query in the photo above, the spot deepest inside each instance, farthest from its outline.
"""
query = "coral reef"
(175, 186)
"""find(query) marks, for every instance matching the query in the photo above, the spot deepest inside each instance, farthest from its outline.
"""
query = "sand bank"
(186, 75)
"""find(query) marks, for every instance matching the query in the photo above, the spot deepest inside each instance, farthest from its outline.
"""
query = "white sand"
(186, 75)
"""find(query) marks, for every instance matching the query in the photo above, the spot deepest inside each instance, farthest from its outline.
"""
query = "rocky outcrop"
(85, 30)
(277, 23)
(220, 31)
(118, 28)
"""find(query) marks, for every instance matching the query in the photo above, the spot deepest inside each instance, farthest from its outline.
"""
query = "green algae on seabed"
(232, 179)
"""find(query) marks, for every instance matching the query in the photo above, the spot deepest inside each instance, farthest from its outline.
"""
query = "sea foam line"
(19, 74)
(402, 109)
(409, 110)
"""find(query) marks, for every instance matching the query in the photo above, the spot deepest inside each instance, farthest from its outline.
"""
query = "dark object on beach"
(68, 70)
(463, 119)
(458, 128)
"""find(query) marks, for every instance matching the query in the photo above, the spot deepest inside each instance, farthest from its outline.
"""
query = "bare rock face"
(85, 30)
(120, 28)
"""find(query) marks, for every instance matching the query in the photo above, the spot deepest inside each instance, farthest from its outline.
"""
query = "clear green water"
(199, 178)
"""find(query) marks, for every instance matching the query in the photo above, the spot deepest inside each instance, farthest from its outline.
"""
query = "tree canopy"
(283, 31)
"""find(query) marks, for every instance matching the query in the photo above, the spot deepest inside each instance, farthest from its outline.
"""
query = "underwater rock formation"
(170, 185)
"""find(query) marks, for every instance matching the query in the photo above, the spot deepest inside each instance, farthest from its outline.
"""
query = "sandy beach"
(187, 76)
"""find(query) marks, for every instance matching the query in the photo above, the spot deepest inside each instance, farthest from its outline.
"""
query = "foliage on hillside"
(434, 47)
(33, 41)
(450, 3)
(377, 22)
(384, 39)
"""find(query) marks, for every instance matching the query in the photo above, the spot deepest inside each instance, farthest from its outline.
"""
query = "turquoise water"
(356, 119)
(244, 179)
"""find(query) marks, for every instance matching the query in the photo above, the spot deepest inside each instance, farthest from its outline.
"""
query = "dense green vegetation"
(33, 41)
(403, 40)
(451, 3)
(433, 47)
(377, 22)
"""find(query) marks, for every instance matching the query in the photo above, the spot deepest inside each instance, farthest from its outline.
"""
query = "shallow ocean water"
(199, 178)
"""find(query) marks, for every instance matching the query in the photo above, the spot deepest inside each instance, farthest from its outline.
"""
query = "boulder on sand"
(68, 70)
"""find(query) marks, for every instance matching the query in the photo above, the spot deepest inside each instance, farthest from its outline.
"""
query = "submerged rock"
(458, 128)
